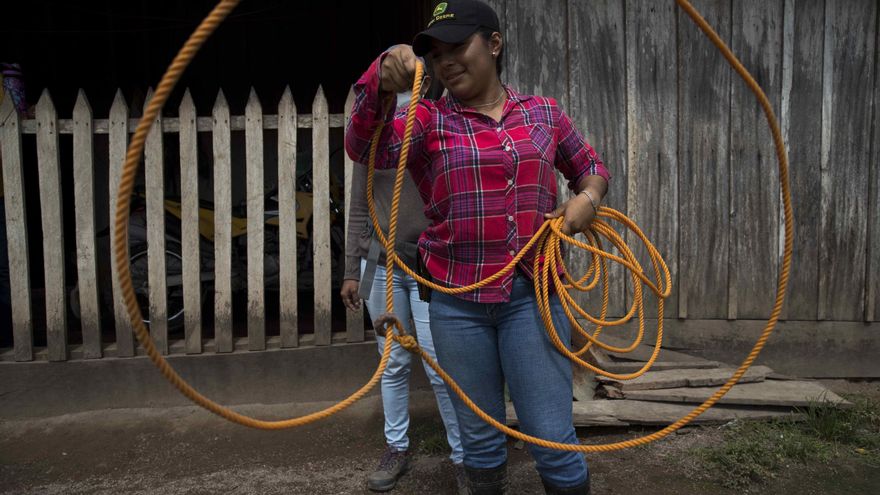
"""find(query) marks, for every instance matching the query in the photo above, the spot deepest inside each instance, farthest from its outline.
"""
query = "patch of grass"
(429, 438)
(858, 426)
(752, 452)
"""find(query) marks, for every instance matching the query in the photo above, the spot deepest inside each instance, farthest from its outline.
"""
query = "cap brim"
(447, 33)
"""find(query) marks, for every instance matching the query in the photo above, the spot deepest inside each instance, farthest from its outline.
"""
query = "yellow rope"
(548, 264)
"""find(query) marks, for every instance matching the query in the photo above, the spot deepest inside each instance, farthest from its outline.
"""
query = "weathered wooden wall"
(690, 151)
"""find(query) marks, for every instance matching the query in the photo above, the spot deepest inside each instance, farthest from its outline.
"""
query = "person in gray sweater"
(366, 277)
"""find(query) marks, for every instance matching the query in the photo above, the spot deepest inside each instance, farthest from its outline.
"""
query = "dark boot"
(582, 489)
(393, 465)
(491, 481)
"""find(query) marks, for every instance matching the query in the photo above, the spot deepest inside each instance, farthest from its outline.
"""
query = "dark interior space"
(104, 46)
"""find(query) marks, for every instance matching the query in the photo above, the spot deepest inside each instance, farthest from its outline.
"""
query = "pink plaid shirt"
(486, 185)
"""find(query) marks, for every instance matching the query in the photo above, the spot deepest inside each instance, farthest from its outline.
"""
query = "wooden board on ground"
(613, 365)
(634, 412)
(766, 393)
(653, 380)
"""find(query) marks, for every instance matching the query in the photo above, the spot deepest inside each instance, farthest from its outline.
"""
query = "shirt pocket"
(541, 137)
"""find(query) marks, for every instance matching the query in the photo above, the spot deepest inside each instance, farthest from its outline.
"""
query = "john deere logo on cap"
(441, 8)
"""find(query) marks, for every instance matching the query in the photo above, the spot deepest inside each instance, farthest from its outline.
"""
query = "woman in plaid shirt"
(483, 160)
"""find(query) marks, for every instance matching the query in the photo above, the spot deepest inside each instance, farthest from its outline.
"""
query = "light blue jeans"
(483, 345)
(395, 380)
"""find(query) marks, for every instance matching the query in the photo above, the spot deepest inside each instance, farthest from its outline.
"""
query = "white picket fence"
(119, 127)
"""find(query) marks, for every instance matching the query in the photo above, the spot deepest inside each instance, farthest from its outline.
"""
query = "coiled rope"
(548, 263)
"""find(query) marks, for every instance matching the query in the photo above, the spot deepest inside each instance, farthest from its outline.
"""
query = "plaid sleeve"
(369, 110)
(574, 157)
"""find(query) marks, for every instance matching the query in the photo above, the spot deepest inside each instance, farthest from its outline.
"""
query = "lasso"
(547, 242)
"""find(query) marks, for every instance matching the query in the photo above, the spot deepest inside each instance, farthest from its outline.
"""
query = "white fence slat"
(53, 228)
(222, 226)
(256, 239)
(189, 191)
(354, 320)
(16, 233)
(118, 144)
(287, 250)
(322, 266)
(84, 195)
(154, 164)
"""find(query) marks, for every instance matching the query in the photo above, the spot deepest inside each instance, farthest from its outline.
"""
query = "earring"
(494, 54)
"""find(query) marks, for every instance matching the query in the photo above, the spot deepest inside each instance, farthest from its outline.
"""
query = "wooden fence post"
(222, 226)
(84, 195)
(118, 129)
(16, 233)
(154, 178)
(256, 239)
(322, 265)
(53, 228)
(189, 223)
(287, 249)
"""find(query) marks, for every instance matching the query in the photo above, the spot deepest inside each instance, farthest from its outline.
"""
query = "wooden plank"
(84, 204)
(598, 108)
(767, 393)
(189, 190)
(634, 412)
(652, 136)
(53, 229)
(804, 137)
(872, 292)
(154, 173)
(256, 239)
(612, 365)
(354, 320)
(118, 141)
(321, 220)
(222, 225)
(677, 378)
(535, 48)
(850, 38)
(16, 232)
(287, 219)
(703, 166)
(756, 38)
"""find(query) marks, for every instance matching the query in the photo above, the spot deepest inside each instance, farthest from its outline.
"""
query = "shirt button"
(509, 182)
(512, 252)
(507, 147)
(498, 128)
(510, 217)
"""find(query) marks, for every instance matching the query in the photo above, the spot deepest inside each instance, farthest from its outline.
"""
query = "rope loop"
(549, 265)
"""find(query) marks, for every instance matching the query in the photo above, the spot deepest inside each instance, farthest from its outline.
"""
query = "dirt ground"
(189, 451)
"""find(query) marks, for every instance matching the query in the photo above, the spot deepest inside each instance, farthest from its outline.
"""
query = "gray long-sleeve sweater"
(411, 220)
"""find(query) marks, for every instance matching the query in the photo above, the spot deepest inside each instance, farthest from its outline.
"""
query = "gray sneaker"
(392, 466)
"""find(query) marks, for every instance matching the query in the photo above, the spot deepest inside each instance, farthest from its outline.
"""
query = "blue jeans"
(395, 379)
(483, 345)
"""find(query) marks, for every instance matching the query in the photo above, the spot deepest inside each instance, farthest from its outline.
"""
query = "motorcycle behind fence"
(139, 254)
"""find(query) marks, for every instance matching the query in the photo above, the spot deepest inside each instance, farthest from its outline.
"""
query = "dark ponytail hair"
(486, 33)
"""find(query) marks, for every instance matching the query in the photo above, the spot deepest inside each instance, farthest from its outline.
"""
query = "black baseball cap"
(455, 21)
